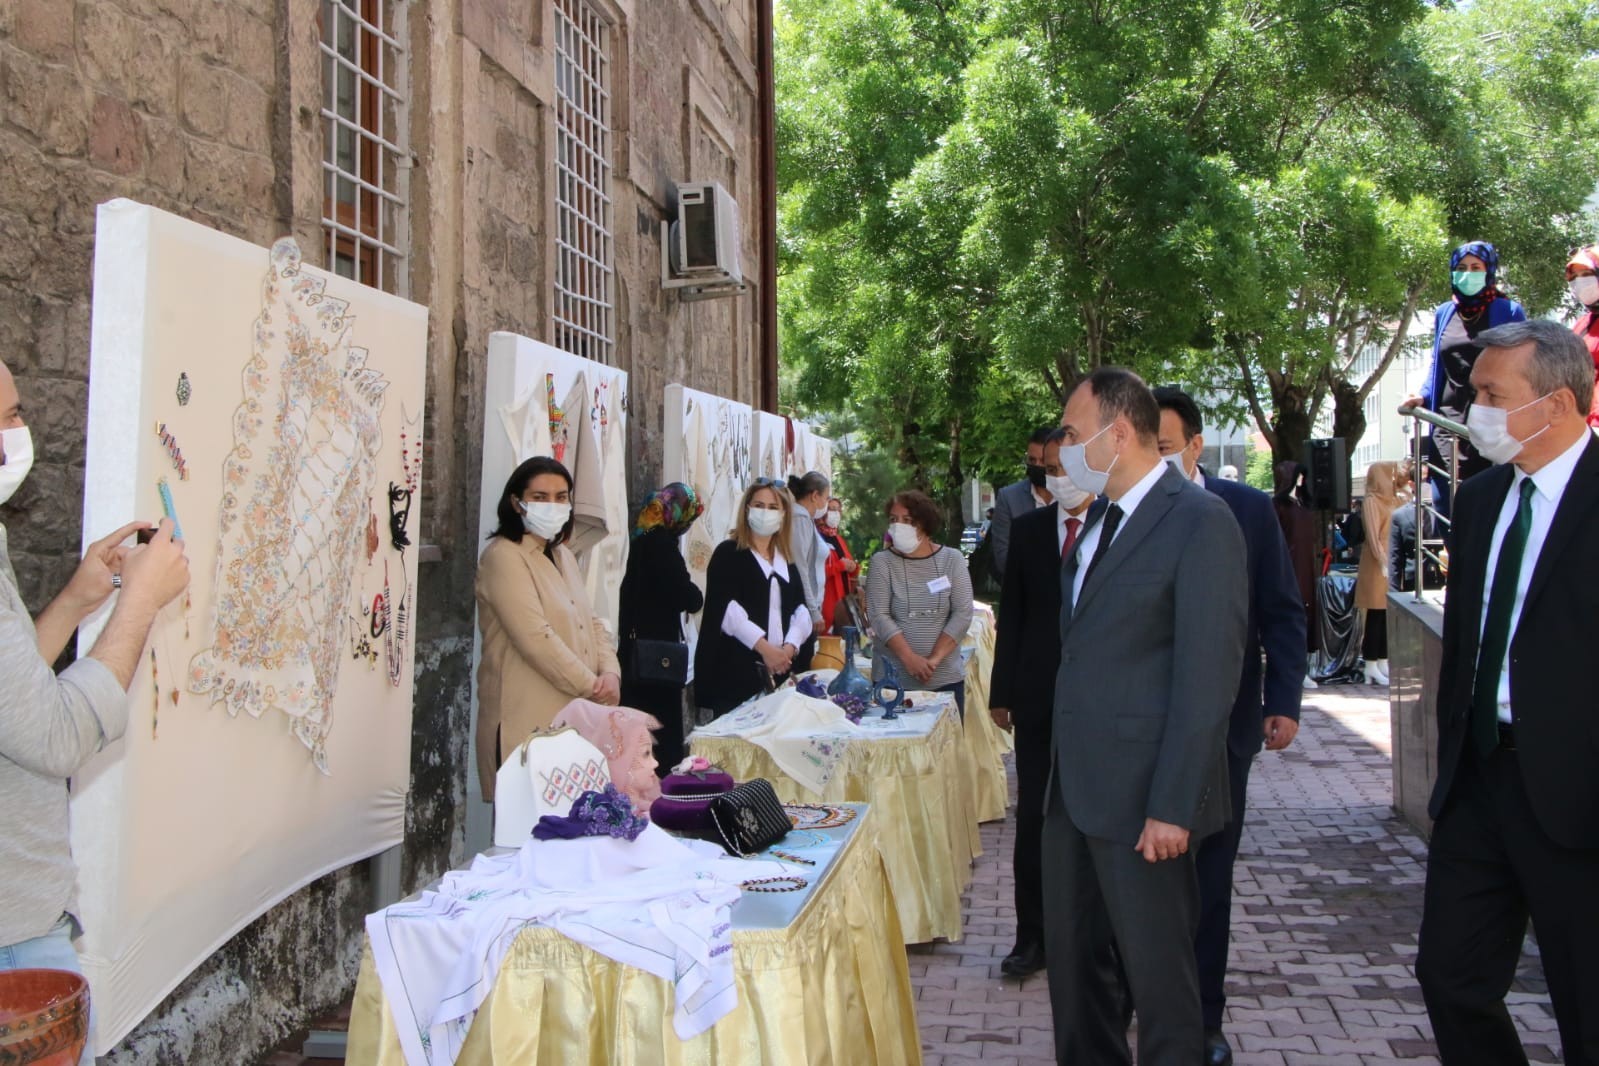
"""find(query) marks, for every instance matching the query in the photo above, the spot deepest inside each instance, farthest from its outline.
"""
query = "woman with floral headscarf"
(656, 592)
(1582, 277)
(1476, 303)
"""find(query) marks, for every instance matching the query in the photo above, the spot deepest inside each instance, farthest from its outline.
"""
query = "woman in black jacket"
(756, 626)
(656, 592)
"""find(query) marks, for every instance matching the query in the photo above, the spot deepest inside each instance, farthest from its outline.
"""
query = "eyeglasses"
(769, 483)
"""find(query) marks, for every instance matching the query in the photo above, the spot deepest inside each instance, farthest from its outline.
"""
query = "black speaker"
(1328, 479)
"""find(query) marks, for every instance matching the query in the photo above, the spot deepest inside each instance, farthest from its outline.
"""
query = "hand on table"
(1279, 731)
(1161, 841)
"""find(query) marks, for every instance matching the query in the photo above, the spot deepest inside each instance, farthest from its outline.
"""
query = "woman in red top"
(1582, 277)
(841, 569)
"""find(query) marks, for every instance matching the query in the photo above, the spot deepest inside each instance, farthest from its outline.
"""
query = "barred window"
(584, 315)
(364, 153)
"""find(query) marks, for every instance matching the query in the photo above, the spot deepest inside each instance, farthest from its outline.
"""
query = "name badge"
(937, 585)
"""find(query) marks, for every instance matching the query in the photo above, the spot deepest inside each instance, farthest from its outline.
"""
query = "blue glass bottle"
(850, 681)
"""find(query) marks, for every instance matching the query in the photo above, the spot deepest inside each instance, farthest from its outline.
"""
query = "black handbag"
(658, 662)
(749, 818)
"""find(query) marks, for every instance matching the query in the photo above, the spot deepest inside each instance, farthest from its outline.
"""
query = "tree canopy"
(981, 202)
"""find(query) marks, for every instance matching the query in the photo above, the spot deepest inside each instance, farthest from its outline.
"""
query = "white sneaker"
(1310, 682)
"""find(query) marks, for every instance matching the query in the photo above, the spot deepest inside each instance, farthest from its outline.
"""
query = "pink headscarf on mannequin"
(623, 734)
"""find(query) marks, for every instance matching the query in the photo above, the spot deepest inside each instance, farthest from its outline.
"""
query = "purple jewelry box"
(685, 802)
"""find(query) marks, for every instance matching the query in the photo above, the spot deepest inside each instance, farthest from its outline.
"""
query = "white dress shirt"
(736, 621)
(1549, 483)
(1088, 543)
(1038, 497)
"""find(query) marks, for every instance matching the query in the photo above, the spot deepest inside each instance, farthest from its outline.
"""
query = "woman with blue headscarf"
(1476, 304)
(656, 592)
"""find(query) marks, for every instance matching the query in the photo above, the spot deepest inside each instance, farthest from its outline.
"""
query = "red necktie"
(1074, 526)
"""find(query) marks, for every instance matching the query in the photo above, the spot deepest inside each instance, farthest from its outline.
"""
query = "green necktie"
(1496, 628)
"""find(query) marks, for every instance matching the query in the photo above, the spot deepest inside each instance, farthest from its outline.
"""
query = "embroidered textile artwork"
(306, 437)
(559, 429)
(264, 692)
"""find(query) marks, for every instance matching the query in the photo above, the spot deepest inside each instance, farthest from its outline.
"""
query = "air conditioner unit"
(700, 250)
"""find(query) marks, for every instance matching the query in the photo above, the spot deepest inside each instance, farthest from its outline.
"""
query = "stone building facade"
(505, 162)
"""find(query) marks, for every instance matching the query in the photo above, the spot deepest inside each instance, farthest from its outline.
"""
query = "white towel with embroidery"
(807, 738)
(657, 903)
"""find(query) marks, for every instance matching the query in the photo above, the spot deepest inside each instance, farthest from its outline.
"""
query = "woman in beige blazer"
(543, 647)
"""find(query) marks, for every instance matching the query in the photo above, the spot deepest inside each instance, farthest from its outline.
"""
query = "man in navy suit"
(1267, 707)
(1516, 805)
(1022, 689)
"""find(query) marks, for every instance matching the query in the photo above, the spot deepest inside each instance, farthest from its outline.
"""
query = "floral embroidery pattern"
(306, 435)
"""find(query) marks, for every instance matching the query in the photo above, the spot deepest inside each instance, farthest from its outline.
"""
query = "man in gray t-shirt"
(51, 724)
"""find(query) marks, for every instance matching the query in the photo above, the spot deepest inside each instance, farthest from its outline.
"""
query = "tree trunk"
(1349, 415)
(1290, 421)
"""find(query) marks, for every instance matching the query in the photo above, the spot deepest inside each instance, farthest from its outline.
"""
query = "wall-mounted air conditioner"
(700, 250)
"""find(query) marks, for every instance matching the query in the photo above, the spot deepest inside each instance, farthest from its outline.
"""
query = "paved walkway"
(1325, 910)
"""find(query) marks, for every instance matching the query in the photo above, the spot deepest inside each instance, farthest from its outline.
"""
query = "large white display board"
(269, 728)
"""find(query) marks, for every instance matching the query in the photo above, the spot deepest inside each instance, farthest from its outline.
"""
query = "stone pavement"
(1327, 900)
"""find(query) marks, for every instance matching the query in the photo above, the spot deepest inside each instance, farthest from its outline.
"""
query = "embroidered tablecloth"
(822, 977)
(986, 741)
(917, 775)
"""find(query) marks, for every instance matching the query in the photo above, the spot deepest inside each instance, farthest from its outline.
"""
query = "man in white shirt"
(1516, 804)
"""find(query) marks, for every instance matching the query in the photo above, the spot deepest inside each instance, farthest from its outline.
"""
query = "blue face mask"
(1468, 282)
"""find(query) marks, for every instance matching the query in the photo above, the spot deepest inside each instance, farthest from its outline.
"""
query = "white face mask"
(1074, 457)
(18, 446)
(545, 520)
(904, 537)
(1175, 461)
(1585, 289)
(1490, 431)
(1066, 492)
(763, 521)
(834, 518)
(820, 514)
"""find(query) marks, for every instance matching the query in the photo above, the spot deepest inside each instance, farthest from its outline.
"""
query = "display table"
(822, 978)
(916, 773)
(986, 741)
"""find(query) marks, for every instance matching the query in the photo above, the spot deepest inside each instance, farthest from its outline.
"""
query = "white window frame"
(584, 310)
(365, 153)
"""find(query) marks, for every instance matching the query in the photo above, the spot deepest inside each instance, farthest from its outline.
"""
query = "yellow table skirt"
(921, 791)
(833, 989)
(985, 740)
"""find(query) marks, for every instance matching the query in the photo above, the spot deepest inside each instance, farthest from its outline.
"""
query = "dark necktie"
(1107, 531)
(1074, 526)
(1496, 627)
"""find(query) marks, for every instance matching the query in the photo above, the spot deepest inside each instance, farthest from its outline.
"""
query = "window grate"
(364, 160)
(584, 312)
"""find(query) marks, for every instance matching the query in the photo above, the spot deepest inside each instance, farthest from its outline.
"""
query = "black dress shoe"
(1023, 961)
(1217, 1050)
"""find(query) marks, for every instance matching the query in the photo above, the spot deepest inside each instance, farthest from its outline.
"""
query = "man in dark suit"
(1154, 611)
(1017, 499)
(1022, 682)
(1267, 705)
(1516, 804)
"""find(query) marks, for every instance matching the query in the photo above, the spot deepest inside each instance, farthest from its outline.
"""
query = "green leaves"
(983, 201)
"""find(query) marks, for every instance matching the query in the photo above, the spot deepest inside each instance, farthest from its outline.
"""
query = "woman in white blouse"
(756, 627)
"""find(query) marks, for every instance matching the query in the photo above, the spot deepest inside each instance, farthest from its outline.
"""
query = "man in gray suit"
(1154, 610)
(1017, 499)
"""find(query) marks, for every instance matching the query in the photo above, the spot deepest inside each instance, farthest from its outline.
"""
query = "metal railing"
(1433, 547)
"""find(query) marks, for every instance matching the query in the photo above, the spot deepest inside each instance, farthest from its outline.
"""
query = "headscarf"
(1472, 306)
(673, 508)
(1586, 256)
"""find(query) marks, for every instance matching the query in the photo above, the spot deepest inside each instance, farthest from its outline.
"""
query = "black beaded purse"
(749, 818)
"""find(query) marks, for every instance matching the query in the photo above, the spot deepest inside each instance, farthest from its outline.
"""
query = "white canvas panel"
(708, 446)
(270, 725)
(768, 445)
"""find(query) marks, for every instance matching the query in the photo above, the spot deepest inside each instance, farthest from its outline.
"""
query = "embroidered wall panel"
(295, 396)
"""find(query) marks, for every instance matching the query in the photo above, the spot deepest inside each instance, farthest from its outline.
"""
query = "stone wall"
(209, 109)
